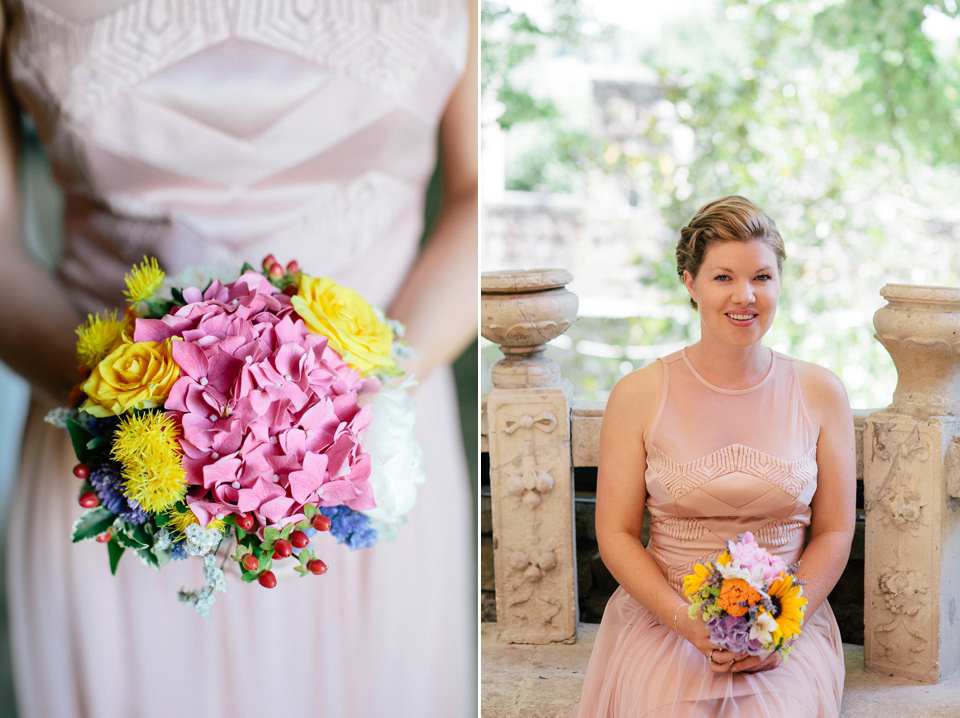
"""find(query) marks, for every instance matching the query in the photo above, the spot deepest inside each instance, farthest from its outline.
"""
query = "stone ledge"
(545, 681)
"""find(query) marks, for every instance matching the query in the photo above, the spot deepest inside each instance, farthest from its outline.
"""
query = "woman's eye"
(764, 277)
(722, 277)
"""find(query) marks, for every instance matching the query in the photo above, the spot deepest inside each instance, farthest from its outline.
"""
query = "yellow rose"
(135, 375)
(348, 321)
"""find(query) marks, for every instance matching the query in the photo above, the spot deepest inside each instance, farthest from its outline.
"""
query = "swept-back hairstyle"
(728, 219)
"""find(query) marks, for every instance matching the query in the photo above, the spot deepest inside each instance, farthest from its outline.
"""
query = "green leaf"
(149, 557)
(80, 436)
(115, 549)
(95, 443)
(287, 530)
(93, 523)
(128, 541)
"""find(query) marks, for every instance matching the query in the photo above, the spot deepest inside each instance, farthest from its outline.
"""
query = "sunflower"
(693, 581)
(788, 603)
(143, 281)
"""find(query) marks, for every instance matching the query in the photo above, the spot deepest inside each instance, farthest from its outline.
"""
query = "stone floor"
(545, 681)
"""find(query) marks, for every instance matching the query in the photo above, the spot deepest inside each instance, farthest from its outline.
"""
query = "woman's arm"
(833, 508)
(37, 322)
(621, 495)
(438, 300)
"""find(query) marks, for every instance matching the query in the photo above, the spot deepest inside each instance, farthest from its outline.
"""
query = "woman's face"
(736, 291)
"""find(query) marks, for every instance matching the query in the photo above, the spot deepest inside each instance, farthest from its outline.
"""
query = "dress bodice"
(218, 131)
(722, 462)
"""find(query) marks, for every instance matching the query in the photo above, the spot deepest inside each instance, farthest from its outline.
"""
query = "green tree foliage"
(840, 117)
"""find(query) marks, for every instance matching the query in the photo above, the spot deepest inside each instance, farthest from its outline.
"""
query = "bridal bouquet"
(234, 422)
(752, 602)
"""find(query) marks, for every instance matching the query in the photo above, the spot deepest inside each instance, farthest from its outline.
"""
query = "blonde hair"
(728, 219)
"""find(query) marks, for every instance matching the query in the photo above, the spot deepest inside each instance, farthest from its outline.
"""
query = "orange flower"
(736, 596)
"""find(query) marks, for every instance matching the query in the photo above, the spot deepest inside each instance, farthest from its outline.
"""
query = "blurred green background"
(605, 125)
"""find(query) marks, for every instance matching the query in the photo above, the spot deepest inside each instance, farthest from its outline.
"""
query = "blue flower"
(178, 550)
(350, 527)
(108, 483)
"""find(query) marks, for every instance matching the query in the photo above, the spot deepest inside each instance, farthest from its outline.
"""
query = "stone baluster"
(531, 473)
(911, 453)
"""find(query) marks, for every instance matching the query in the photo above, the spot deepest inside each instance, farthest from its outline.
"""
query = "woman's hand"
(755, 664)
(696, 632)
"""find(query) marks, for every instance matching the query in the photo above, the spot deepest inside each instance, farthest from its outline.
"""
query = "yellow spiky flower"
(146, 447)
(143, 280)
(178, 522)
(98, 336)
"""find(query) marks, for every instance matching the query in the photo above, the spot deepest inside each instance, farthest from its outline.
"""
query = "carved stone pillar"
(531, 474)
(911, 458)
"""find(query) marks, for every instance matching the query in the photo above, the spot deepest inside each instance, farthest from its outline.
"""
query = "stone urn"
(522, 310)
(920, 327)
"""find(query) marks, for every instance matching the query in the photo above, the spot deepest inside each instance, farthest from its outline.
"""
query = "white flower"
(201, 600)
(762, 629)
(58, 417)
(162, 540)
(213, 573)
(201, 541)
(397, 465)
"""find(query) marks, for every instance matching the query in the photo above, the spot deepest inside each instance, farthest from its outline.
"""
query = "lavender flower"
(108, 483)
(733, 634)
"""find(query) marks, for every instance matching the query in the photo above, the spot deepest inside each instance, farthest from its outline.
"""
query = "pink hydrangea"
(270, 413)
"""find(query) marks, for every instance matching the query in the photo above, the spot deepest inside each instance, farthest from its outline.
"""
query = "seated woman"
(723, 437)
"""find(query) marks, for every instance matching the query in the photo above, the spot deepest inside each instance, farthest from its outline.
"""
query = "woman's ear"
(688, 283)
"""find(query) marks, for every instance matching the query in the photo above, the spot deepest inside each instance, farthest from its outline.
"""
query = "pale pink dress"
(208, 131)
(720, 462)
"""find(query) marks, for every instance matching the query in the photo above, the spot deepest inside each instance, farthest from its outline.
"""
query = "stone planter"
(522, 311)
(920, 327)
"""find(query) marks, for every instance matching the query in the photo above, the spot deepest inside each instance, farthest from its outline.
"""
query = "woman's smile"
(736, 290)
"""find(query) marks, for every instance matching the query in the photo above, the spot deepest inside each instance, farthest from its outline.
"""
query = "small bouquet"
(236, 421)
(752, 602)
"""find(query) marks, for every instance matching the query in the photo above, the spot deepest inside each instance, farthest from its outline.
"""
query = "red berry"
(290, 290)
(268, 262)
(250, 562)
(81, 471)
(299, 539)
(321, 522)
(244, 521)
(104, 537)
(89, 500)
(317, 567)
(282, 548)
(293, 266)
(276, 270)
(267, 579)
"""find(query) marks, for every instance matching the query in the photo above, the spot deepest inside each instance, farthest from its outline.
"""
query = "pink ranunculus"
(270, 413)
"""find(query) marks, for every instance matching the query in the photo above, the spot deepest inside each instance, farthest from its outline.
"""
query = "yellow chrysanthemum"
(98, 336)
(724, 559)
(146, 447)
(788, 604)
(178, 522)
(143, 280)
(693, 581)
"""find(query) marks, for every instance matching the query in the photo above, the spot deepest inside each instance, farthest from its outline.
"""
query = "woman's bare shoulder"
(823, 391)
(637, 394)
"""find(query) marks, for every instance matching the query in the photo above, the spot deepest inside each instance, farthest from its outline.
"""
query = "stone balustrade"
(908, 456)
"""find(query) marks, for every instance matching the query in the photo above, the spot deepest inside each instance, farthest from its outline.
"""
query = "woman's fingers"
(722, 661)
